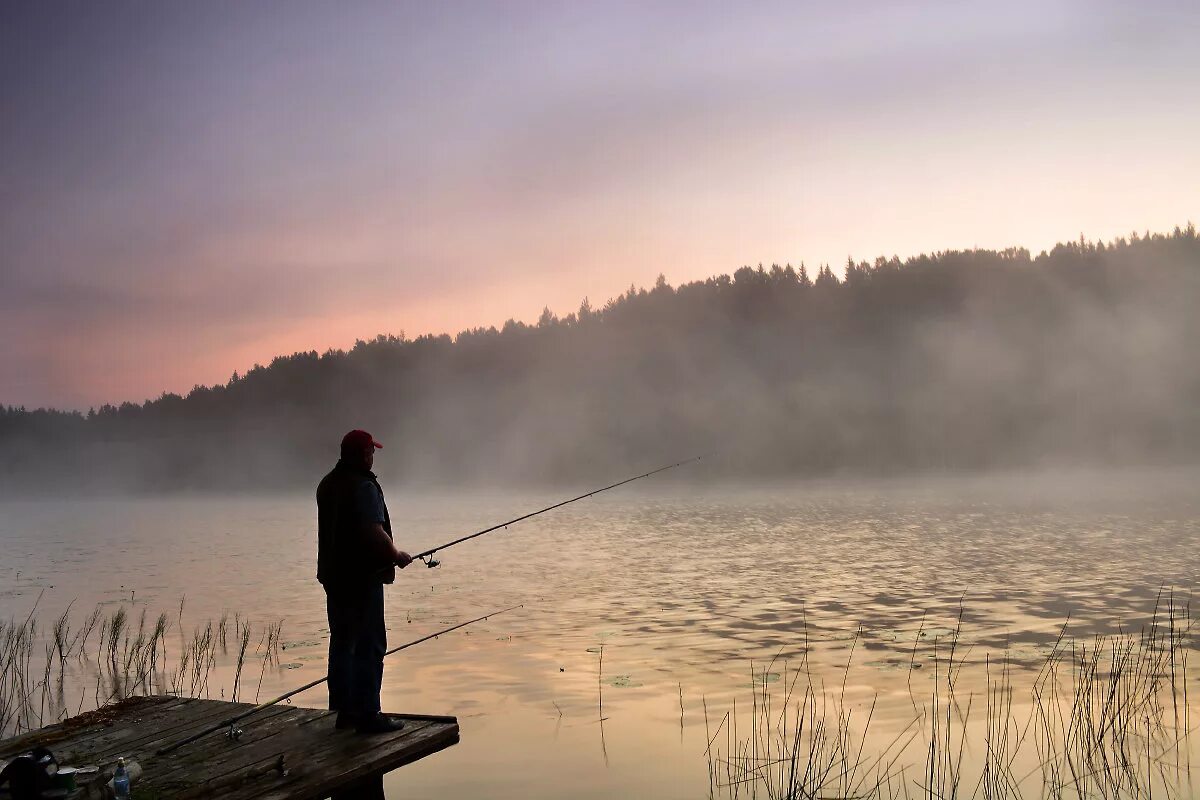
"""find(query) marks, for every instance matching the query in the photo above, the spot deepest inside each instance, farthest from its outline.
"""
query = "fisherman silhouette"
(355, 558)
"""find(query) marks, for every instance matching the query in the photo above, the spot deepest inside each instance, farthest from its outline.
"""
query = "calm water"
(683, 588)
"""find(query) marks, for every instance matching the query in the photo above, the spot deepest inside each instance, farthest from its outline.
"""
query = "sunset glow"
(187, 191)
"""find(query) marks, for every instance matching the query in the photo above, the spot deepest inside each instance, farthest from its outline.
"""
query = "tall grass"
(1109, 717)
(47, 675)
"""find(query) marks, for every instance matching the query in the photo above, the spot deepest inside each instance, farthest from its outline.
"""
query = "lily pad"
(940, 633)
(623, 682)
(760, 678)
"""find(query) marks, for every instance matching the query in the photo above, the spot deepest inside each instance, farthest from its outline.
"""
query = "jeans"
(357, 642)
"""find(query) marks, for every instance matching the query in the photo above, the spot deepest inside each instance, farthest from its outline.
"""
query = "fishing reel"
(429, 561)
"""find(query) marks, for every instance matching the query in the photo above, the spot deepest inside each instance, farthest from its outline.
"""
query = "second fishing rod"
(231, 722)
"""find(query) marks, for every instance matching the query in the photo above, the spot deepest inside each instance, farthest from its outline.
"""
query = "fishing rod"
(231, 723)
(427, 556)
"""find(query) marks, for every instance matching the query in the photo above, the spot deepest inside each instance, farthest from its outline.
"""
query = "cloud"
(201, 177)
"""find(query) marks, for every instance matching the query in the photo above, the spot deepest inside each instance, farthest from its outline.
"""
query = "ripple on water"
(812, 576)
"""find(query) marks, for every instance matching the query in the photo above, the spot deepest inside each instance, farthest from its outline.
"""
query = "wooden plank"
(320, 759)
(303, 767)
(334, 767)
(246, 782)
(218, 756)
(147, 735)
(80, 728)
(258, 777)
(164, 738)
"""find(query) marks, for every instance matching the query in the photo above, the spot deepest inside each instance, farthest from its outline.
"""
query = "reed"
(600, 686)
(1108, 717)
(63, 643)
(116, 626)
(89, 625)
(47, 675)
(241, 660)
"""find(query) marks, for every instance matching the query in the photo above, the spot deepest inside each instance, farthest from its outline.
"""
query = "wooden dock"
(283, 752)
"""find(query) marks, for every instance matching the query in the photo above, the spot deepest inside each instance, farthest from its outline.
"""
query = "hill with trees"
(959, 360)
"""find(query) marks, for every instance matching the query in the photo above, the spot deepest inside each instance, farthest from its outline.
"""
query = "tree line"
(956, 360)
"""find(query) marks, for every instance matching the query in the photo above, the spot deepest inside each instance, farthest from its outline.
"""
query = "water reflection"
(682, 588)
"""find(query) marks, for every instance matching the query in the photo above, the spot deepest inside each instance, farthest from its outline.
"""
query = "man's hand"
(383, 545)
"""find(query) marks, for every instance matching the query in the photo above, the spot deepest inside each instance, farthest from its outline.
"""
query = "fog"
(955, 363)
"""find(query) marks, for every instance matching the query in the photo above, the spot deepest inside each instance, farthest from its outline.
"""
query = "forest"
(1085, 355)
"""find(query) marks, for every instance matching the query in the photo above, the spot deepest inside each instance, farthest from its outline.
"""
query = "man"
(355, 558)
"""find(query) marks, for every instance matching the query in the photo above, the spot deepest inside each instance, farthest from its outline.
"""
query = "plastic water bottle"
(121, 781)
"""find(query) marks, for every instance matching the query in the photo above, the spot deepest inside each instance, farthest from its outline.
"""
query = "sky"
(187, 189)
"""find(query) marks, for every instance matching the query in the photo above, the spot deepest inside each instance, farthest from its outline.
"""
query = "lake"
(649, 611)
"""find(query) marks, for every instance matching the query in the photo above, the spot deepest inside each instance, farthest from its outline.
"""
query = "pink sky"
(187, 191)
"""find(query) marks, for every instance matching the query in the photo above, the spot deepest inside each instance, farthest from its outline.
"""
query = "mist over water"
(961, 361)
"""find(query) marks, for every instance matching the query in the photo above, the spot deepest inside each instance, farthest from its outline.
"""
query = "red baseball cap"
(357, 440)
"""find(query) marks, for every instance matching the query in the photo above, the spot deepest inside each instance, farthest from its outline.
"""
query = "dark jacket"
(344, 551)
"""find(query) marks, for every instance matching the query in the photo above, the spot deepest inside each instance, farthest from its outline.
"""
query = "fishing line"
(427, 558)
